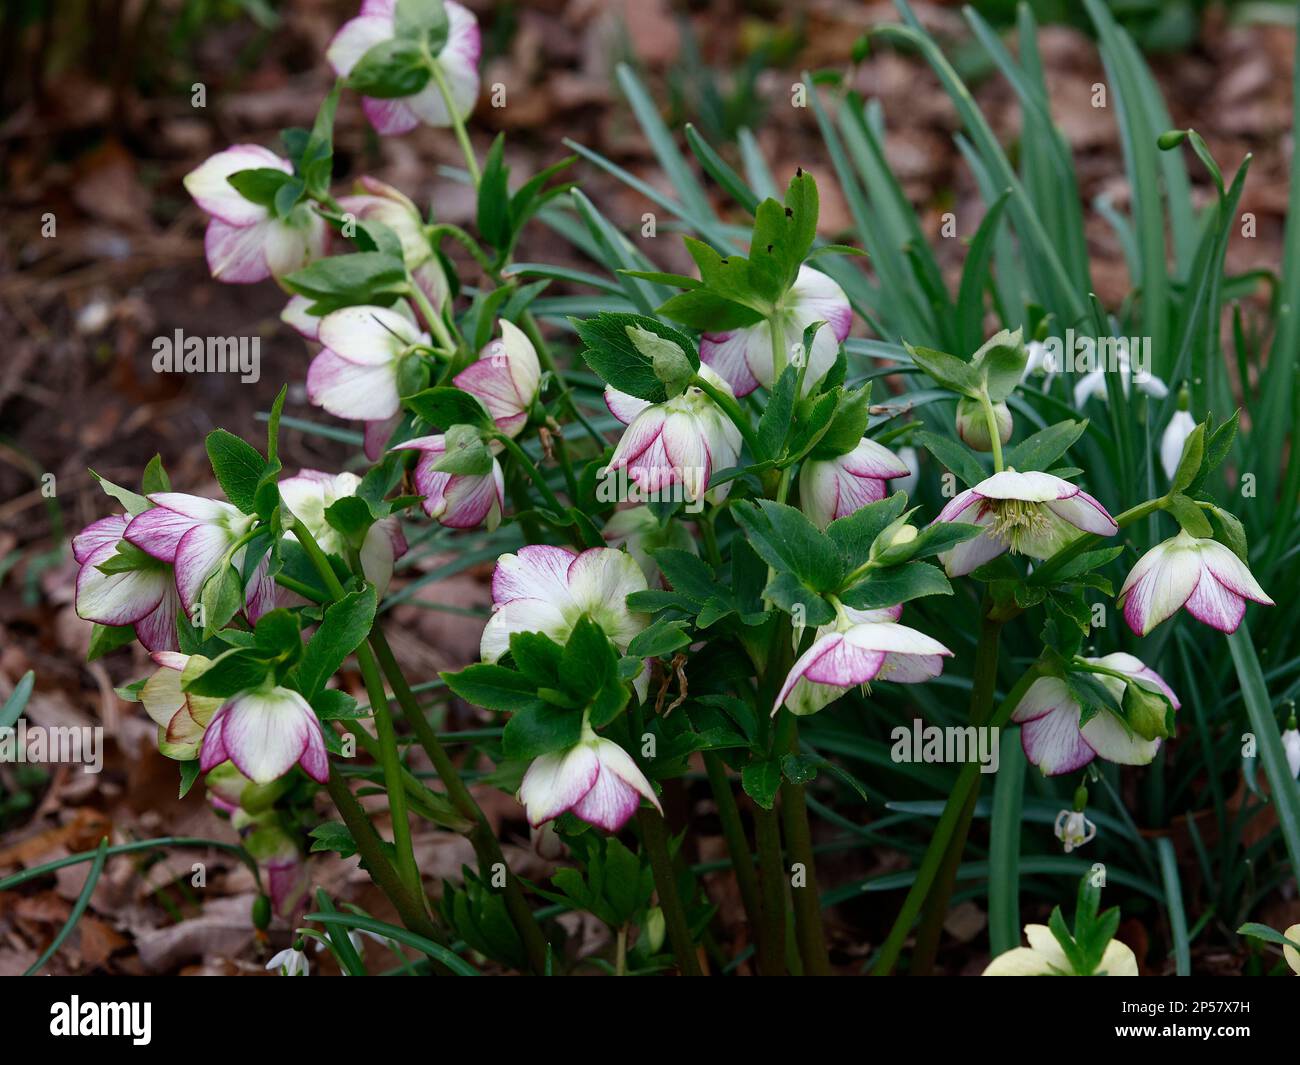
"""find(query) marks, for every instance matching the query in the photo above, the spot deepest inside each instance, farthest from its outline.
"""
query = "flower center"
(1017, 521)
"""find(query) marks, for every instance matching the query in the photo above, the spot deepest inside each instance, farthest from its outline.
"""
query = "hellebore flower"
(549, 589)
(678, 442)
(312, 492)
(1044, 957)
(1053, 738)
(458, 59)
(1186, 571)
(505, 378)
(835, 488)
(355, 375)
(265, 732)
(245, 241)
(744, 356)
(455, 499)
(1033, 514)
(1073, 829)
(290, 962)
(596, 780)
(380, 202)
(859, 647)
(279, 857)
(181, 716)
(145, 597)
(193, 534)
(1171, 442)
(638, 530)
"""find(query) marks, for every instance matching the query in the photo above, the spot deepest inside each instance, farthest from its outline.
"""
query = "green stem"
(457, 123)
(733, 831)
(807, 899)
(534, 474)
(948, 820)
(388, 754)
(434, 319)
(654, 834)
(732, 410)
(486, 847)
(771, 934)
(995, 436)
(777, 336)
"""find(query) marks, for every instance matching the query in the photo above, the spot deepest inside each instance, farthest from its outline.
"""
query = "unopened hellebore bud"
(671, 366)
(894, 544)
(655, 926)
(466, 455)
(973, 424)
(1146, 712)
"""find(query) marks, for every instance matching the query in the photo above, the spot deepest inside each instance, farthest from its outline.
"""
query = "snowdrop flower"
(458, 59)
(1038, 361)
(312, 492)
(1171, 442)
(144, 597)
(681, 441)
(505, 377)
(355, 375)
(1186, 571)
(181, 717)
(548, 589)
(289, 962)
(380, 202)
(1044, 957)
(456, 500)
(835, 488)
(638, 530)
(193, 534)
(265, 732)
(744, 356)
(1034, 514)
(1050, 732)
(859, 647)
(245, 241)
(595, 780)
(1073, 829)
(1291, 744)
(1093, 384)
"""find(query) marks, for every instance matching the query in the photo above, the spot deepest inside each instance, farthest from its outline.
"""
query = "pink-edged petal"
(1136, 668)
(356, 37)
(521, 615)
(613, 759)
(377, 435)
(296, 317)
(265, 733)
(640, 436)
(870, 459)
(1044, 696)
(237, 254)
(390, 118)
(210, 186)
(1053, 742)
(609, 803)
(955, 509)
(821, 299)
(734, 354)
(556, 782)
(213, 752)
(197, 557)
(98, 533)
(157, 630)
(1030, 487)
(158, 532)
(1167, 583)
(1231, 572)
(349, 390)
(368, 336)
(261, 593)
(1084, 512)
(1217, 606)
(537, 571)
(117, 598)
(969, 555)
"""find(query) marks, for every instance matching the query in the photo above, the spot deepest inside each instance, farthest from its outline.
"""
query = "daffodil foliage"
(742, 523)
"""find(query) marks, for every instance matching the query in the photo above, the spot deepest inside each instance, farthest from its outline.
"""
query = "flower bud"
(973, 424)
(894, 545)
(1147, 712)
(655, 927)
(671, 366)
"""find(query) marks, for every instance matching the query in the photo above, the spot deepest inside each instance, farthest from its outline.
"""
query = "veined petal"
(870, 459)
(624, 407)
(537, 571)
(391, 118)
(213, 192)
(197, 556)
(617, 761)
(1084, 512)
(555, 782)
(1166, 582)
(1231, 572)
(820, 298)
(894, 638)
(742, 357)
(349, 390)
(157, 630)
(368, 336)
(266, 732)
(1044, 695)
(609, 803)
(117, 598)
(1030, 487)
(1217, 606)
(98, 533)
(296, 317)
(237, 254)
(520, 615)
(1054, 743)
(1111, 739)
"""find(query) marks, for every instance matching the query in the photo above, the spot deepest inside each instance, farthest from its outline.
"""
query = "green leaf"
(221, 598)
(131, 501)
(761, 781)
(493, 687)
(444, 407)
(494, 197)
(537, 657)
(854, 534)
(540, 729)
(106, 638)
(424, 21)
(155, 478)
(954, 456)
(343, 628)
(1001, 363)
(1189, 465)
(1190, 516)
(948, 370)
(356, 278)
(234, 671)
(17, 701)
(260, 185)
(1043, 448)
(333, 836)
(849, 425)
(390, 69)
(238, 468)
(660, 639)
(896, 584)
(618, 359)
(588, 660)
(786, 540)
(705, 310)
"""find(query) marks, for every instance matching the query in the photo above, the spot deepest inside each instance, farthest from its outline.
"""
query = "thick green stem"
(771, 935)
(733, 831)
(654, 834)
(995, 436)
(943, 832)
(808, 928)
(486, 847)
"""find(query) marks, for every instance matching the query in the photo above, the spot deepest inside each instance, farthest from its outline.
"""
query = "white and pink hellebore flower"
(835, 488)
(355, 374)
(265, 732)
(681, 441)
(549, 589)
(458, 59)
(744, 356)
(456, 500)
(312, 492)
(1044, 957)
(181, 716)
(145, 597)
(1034, 514)
(1049, 720)
(1187, 571)
(244, 241)
(595, 780)
(859, 647)
(505, 378)
(193, 534)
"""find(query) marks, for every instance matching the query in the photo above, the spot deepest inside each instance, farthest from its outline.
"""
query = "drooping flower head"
(681, 441)
(457, 500)
(245, 241)
(640, 532)
(1044, 957)
(458, 60)
(505, 377)
(595, 780)
(835, 488)
(182, 717)
(858, 647)
(265, 732)
(744, 356)
(1187, 571)
(355, 374)
(1056, 742)
(1034, 514)
(144, 597)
